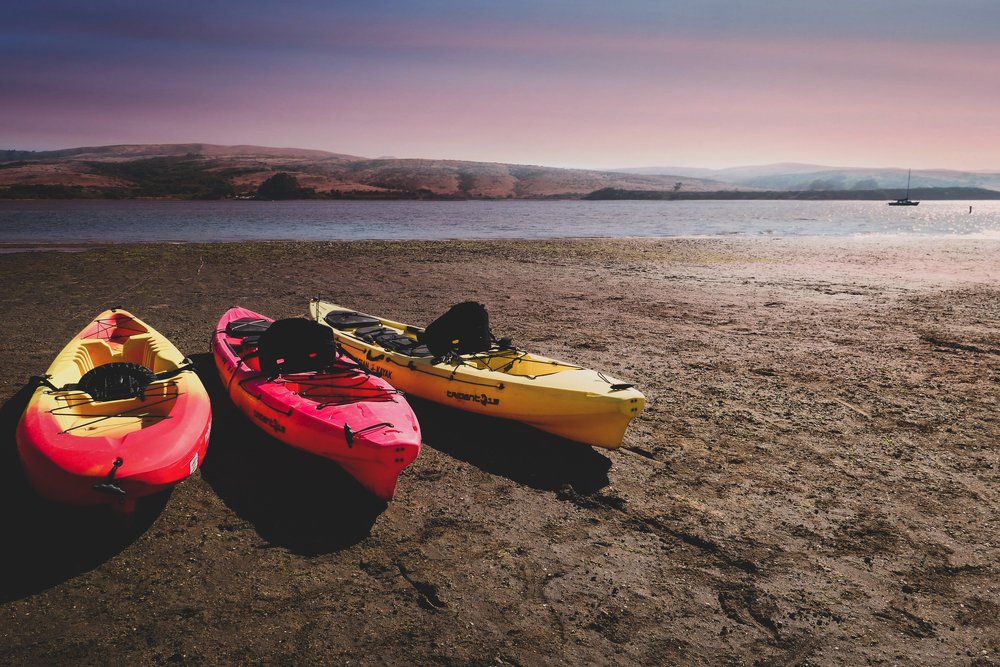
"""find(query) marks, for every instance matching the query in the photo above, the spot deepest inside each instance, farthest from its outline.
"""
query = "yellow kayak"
(554, 396)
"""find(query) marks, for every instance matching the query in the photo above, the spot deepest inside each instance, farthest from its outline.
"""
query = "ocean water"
(54, 222)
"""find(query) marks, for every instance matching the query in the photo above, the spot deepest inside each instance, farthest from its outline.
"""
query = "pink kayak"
(288, 377)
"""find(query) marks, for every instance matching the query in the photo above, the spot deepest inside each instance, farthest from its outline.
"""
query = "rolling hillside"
(205, 171)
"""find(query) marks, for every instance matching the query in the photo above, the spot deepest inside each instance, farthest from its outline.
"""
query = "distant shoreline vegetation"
(81, 192)
(944, 194)
(216, 191)
(103, 173)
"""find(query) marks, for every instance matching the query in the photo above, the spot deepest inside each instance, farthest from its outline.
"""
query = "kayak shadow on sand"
(48, 543)
(295, 500)
(513, 450)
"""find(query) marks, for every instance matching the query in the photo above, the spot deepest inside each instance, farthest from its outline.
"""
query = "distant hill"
(791, 176)
(138, 151)
(206, 171)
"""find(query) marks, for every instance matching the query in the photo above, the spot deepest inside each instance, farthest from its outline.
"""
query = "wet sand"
(814, 480)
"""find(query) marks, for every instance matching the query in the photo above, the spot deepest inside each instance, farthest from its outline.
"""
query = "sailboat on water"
(905, 201)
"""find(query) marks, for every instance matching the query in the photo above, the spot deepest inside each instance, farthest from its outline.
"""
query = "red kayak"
(288, 377)
(119, 415)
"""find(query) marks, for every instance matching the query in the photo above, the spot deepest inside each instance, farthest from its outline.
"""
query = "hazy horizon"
(713, 84)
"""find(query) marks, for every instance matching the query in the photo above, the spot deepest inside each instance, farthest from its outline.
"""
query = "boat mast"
(908, 172)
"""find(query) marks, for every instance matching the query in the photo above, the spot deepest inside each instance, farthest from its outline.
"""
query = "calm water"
(131, 221)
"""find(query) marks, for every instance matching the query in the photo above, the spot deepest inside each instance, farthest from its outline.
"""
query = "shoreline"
(901, 239)
(942, 194)
(813, 478)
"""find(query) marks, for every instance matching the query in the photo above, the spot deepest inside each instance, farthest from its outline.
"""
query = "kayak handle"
(108, 486)
(349, 433)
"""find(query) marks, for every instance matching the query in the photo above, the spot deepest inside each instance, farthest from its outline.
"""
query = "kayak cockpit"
(93, 408)
(516, 362)
(78, 413)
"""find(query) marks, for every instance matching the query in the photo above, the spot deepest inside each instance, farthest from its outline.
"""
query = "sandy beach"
(814, 480)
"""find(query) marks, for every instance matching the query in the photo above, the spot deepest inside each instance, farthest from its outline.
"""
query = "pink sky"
(694, 84)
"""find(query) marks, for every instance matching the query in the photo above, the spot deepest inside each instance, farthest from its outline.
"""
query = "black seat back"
(116, 381)
(296, 345)
(465, 329)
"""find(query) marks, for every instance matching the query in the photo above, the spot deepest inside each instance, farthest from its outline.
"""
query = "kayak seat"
(465, 329)
(348, 319)
(247, 326)
(116, 381)
(296, 345)
(370, 330)
(404, 345)
(393, 341)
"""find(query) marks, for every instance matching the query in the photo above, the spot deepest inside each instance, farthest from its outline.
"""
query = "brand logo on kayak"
(270, 421)
(376, 371)
(482, 399)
